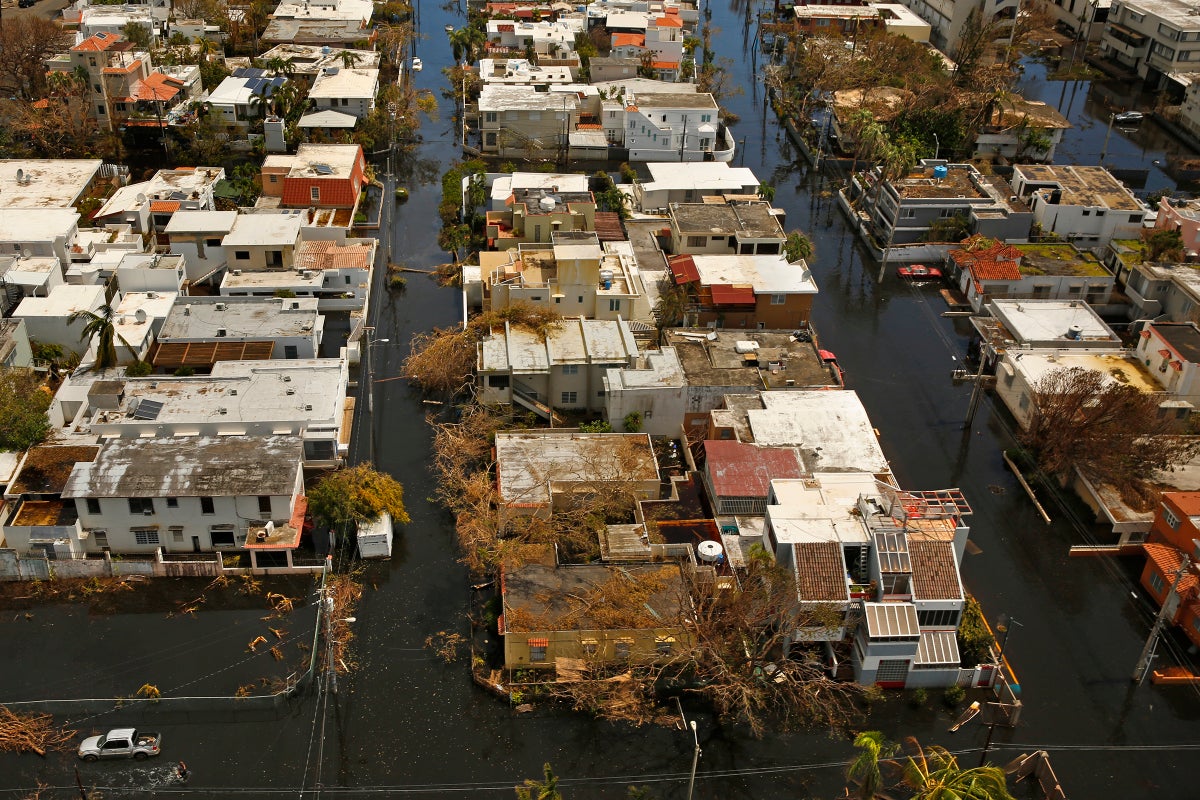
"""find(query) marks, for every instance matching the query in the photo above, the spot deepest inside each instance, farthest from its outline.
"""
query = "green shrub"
(185, 372)
(953, 696)
(872, 694)
(918, 698)
(398, 283)
(598, 426)
(139, 369)
(633, 422)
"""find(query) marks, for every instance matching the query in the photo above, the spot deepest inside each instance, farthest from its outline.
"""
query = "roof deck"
(1060, 260)
(1091, 187)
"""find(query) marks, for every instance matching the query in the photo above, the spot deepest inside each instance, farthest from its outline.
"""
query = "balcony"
(1131, 39)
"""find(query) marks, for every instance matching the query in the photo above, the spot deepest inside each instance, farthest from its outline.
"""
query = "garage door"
(892, 673)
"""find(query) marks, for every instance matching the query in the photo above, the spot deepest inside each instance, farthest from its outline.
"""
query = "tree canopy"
(23, 403)
(357, 494)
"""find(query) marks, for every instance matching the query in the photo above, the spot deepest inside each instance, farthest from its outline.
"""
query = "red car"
(919, 272)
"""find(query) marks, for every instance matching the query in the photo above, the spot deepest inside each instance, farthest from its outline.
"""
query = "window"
(93, 505)
(264, 504)
(176, 533)
(1135, 217)
(590, 647)
(100, 109)
(274, 178)
(662, 645)
(498, 381)
(101, 538)
(537, 649)
(1023, 403)
(222, 536)
(697, 241)
(347, 280)
(570, 398)
(614, 305)
(1099, 212)
(1170, 518)
(145, 535)
(908, 213)
(622, 649)
(570, 369)
(290, 351)
(212, 242)
(1196, 624)
(489, 116)
(172, 502)
(206, 505)
(314, 193)
(1157, 583)
(141, 505)
(778, 299)
(241, 255)
(938, 618)
(558, 299)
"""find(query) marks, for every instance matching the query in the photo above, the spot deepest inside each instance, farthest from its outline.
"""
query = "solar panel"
(147, 409)
(323, 169)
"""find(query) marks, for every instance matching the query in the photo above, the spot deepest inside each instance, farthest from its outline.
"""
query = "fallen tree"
(31, 733)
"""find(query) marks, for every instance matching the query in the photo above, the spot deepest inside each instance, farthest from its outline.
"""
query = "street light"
(937, 147)
(370, 390)
(1104, 150)
(695, 752)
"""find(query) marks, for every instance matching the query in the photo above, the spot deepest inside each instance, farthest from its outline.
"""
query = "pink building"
(1182, 216)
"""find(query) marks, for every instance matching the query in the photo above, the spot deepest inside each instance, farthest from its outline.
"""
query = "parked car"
(417, 66)
(121, 743)
(919, 272)
(1129, 117)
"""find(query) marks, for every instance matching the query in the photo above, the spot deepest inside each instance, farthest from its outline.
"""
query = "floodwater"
(406, 722)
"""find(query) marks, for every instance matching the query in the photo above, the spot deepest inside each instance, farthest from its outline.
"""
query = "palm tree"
(102, 325)
(546, 789)
(864, 770)
(932, 773)
(349, 58)
(281, 66)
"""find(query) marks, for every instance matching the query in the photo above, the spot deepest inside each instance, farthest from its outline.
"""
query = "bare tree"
(1111, 431)
(25, 44)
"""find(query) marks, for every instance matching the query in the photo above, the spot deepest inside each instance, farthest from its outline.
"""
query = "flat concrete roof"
(264, 229)
(574, 341)
(779, 358)
(688, 100)
(64, 300)
(201, 222)
(542, 598)
(201, 318)
(47, 182)
(1090, 187)
(831, 428)
(529, 462)
(192, 466)
(340, 82)
(768, 274)
(658, 369)
(714, 175)
(1045, 321)
(823, 508)
(154, 306)
(311, 160)
(1115, 366)
(499, 97)
(36, 224)
(746, 220)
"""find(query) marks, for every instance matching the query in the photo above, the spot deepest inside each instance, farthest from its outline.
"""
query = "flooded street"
(406, 722)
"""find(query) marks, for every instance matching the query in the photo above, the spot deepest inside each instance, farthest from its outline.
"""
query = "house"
(43, 522)
(613, 68)
(336, 34)
(1171, 352)
(831, 430)
(15, 350)
(151, 272)
(986, 270)
(541, 470)
(137, 319)
(746, 291)
(48, 319)
(899, 20)
(902, 211)
(1024, 324)
(304, 398)
(327, 123)
(114, 68)
(537, 215)
(1151, 37)
(199, 237)
(508, 37)
(676, 182)
(1189, 109)
(39, 232)
(1169, 582)
(738, 476)
(948, 20)
(504, 186)
(148, 206)
(564, 370)
(35, 276)
(162, 97)
(514, 121)
(359, 11)
(575, 275)
(695, 370)
(1024, 129)
(733, 228)
(311, 60)
(262, 241)
(1082, 19)
(345, 90)
(241, 97)
(549, 613)
(320, 175)
(846, 21)
(669, 126)
(1177, 521)
(1183, 215)
(34, 183)
(114, 20)
(1086, 205)
(522, 72)
(186, 494)
(200, 331)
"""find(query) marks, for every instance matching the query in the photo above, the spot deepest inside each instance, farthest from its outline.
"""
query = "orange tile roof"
(1167, 559)
(137, 62)
(669, 22)
(43, 103)
(164, 206)
(101, 41)
(665, 64)
(157, 86)
(631, 108)
(635, 39)
(995, 271)
(1187, 502)
(329, 255)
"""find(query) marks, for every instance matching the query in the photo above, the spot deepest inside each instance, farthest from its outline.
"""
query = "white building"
(522, 72)
(1153, 38)
(271, 327)
(305, 398)
(336, 270)
(35, 276)
(190, 494)
(1085, 205)
(39, 232)
(504, 185)
(347, 10)
(199, 237)
(137, 319)
(690, 183)
(348, 91)
(149, 205)
(151, 272)
(1171, 352)
(654, 387)
(266, 241)
(48, 319)
(947, 18)
(46, 182)
(312, 59)
(238, 98)
(668, 126)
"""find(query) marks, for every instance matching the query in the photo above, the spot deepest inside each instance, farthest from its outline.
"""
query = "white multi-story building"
(1153, 38)
(1084, 205)
(347, 91)
(271, 327)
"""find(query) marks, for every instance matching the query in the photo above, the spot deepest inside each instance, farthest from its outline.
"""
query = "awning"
(684, 269)
(938, 647)
(538, 642)
(723, 295)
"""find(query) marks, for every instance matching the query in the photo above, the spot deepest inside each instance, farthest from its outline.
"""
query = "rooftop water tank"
(709, 551)
(1075, 332)
(606, 278)
(745, 346)
(940, 171)
(547, 203)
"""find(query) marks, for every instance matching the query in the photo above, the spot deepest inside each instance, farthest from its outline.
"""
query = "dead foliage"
(32, 733)
(345, 592)
(446, 645)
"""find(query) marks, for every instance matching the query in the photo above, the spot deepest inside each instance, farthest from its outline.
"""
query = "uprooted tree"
(356, 494)
(1110, 430)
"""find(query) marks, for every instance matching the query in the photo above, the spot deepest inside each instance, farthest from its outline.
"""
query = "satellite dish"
(141, 199)
(26, 254)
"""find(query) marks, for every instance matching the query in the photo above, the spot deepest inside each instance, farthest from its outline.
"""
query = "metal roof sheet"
(891, 620)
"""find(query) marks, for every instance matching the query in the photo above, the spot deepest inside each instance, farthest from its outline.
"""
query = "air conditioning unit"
(149, 512)
(220, 306)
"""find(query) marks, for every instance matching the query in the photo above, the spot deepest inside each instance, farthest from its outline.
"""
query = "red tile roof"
(995, 271)
(684, 269)
(157, 86)
(101, 41)
(130, 67)
(665, 64)
(1187, 502)
(725, 295)
(329, 255)
(164, 206)
(1167, 560)
(669, 21)
(634, 39)
(934, 570)
(737, 469)
(820, 571)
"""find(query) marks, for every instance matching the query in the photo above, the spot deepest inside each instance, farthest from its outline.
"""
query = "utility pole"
(79, 782)
(979, 380)
(1143, 664)
(683, 139)
(1104, 150)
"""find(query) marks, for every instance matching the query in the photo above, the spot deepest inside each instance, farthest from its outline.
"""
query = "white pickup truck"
(121, 743)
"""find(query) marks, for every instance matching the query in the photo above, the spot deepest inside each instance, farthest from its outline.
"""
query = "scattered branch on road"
(31, 733)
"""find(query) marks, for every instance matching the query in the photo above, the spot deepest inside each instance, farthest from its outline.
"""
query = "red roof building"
(1158, 578)
(318, 175)
(738, 475)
